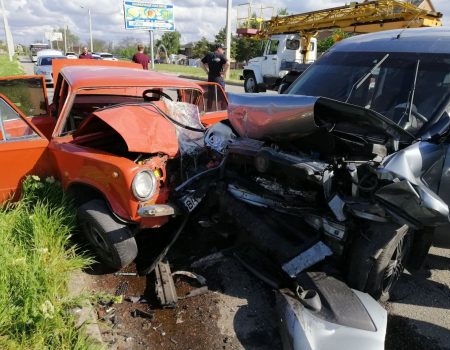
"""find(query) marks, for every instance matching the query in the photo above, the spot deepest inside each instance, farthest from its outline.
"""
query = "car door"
(213, 107)
(22, 149)
(29, 94)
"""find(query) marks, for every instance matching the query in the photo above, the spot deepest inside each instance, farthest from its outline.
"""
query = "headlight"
(144, 185)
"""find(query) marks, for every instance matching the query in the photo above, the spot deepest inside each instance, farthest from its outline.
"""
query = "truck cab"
(281, 55)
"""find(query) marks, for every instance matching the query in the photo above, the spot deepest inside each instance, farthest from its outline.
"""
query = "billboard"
(146, 15)
(53, 36)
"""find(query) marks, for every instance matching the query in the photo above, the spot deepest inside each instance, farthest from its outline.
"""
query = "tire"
(377, 259)
(250, 83)
(112, 241)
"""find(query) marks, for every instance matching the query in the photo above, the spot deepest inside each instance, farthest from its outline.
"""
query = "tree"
(171, 41)
(247, 48)
(127, 47)
(282, 12)
(324, 44)
(201, 48)
(99, 45)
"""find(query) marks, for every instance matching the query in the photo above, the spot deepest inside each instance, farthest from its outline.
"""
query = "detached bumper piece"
(341, 319)
(156, 210)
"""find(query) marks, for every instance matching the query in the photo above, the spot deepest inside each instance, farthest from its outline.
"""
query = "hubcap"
(396, 265)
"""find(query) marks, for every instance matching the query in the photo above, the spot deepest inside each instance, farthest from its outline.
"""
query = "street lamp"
(90, 28)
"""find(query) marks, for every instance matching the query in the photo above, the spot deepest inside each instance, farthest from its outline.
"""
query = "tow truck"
(290, 45)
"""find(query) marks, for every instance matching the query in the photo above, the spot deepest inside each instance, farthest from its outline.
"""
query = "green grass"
(193, 71)
(36, 261)
(9, 68)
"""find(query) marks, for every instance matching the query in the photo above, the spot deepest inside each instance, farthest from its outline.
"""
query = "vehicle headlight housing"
(144, 185)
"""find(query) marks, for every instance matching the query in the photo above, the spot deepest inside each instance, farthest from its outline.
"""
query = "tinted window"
(388, 89)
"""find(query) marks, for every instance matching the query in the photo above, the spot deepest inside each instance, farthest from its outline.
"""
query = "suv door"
(213, 107)
(29, 95)
(22, 149)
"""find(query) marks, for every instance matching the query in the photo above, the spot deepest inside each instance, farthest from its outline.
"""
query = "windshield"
(47, 61)
(408, 88)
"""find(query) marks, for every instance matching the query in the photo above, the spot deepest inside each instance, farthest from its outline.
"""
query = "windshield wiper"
(361, 81)
(411, 96)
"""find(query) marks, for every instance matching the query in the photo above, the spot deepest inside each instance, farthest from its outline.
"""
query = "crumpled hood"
(288, 117)
(143, 129)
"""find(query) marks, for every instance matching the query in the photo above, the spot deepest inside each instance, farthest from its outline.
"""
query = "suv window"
(12, 126)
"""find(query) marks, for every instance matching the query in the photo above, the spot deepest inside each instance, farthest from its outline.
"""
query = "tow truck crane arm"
(365, 17)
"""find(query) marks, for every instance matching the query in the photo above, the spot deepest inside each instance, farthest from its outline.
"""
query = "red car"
(111, 135)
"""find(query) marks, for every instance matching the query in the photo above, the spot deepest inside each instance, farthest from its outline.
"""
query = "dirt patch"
(235, 314)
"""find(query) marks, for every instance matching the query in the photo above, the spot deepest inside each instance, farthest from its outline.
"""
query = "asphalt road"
(419, 310)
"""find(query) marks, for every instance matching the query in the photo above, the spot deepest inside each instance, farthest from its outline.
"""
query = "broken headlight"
(144, 185)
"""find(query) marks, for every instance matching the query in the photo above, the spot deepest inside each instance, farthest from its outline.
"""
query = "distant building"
(186, 49)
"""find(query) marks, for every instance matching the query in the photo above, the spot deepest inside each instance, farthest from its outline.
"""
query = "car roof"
(416, 40)
(99, 76)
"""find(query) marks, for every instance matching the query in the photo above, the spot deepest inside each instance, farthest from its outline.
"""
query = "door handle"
(274, 58)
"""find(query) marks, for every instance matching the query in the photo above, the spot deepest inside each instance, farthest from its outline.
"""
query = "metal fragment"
(164, 286)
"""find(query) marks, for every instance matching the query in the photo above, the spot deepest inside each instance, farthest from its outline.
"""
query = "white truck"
(282, 60)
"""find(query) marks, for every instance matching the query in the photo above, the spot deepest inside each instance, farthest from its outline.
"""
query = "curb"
(85, 315)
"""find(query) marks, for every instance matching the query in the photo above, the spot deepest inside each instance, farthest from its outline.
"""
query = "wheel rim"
(396, 265)
(251, 84)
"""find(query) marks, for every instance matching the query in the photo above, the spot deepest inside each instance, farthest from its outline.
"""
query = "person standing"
(140, 57)
(216, 65)
(85, 54)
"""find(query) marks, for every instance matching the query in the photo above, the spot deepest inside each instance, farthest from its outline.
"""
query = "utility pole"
(9, 38)
(65, 39)
(152, 51)
(90, 28)
(228, 43)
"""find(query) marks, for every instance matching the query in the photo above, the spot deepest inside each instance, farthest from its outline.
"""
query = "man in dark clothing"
(216, 65)
(140, 57)
(86, 55)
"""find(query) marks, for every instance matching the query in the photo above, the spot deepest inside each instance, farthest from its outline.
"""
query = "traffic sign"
(146, 15)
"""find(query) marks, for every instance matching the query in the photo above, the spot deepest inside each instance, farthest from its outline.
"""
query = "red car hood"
(143, 129)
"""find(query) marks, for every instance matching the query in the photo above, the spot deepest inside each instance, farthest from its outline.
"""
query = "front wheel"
(112, 241)
(250, 84)
(378, 257)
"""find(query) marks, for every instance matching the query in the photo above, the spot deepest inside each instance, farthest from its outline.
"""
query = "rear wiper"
(361, 81)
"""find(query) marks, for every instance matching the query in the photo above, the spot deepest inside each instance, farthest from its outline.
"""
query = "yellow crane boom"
(365, 17)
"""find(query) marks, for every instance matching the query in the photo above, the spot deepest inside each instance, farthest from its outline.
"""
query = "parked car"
(105, 56)
(113, 135)
(71, 55)
(43, 67)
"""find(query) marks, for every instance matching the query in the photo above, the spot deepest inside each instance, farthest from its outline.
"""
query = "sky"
(30, 19)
